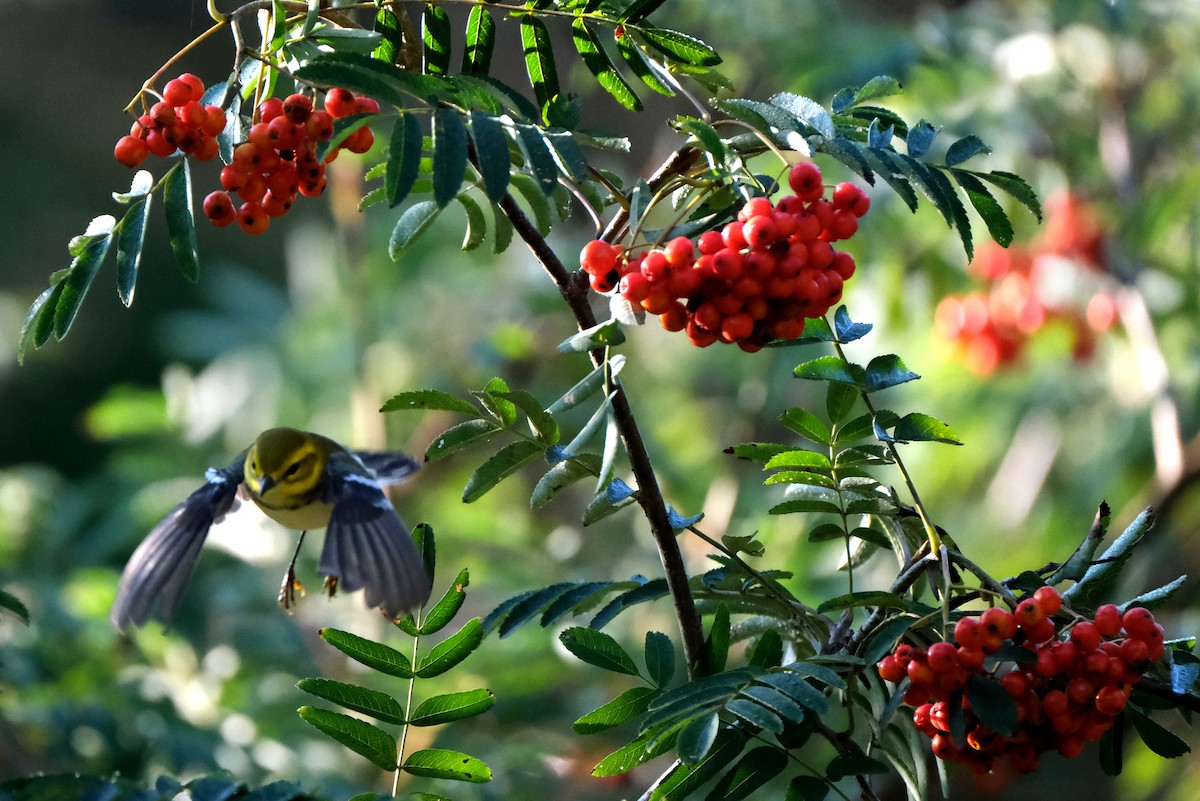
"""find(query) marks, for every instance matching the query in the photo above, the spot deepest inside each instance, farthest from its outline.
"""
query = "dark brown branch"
(649, 495)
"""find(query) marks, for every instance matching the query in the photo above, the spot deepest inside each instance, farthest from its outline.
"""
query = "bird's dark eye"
(291, 471)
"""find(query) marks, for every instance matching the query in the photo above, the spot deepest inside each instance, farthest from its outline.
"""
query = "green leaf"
(569, 158)
(660, 658)
(754, 770)
(404, 158)
(380, 706)
(965, 148)
(376, 656)
(1015, 186)
(414, 222)
(77, 282)
(540, 421)
(491, 396)
(755, 714)
(561, 476)
(181, 223)
(449, 154)
(13, 604)
(638, 10)
(532, 191)
(480, 41)
(538, 159)
(596, 59)
(452, 650)
(1111, 747)
(716, 645)
(599, 649)
(588, 385)
(639, 64)
(601, 335)
(628, 757)
(873, 598)
(1081, 559)
(359, 736)
(1155, 598)
(476, 222)
(679, 46)
(992, 704)
(130, 238)
(777, 701)
(441, 763)
(539, 59)
(429, 399)
(798, 458)
(839, 400)
(491, 154)
(446, 608)
(697, 737)
(918, 427)
(853, 764)
(435, 37)
(683, 779)
(998, 224)
(452, 706)
(39, 320)
(830, 368)
(877, 87)
(768, 651)
(1105, 569)
(807, 111)
(887, 371)
(1156, 738)
(463, 435)
(806, 424)
(807, 788)
(500, 466)
(387, 25)
(622, 709)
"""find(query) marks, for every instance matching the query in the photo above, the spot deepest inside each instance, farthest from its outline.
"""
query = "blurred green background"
(312, 325)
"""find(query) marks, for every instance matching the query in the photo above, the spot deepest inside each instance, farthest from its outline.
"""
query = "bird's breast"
(312, 515)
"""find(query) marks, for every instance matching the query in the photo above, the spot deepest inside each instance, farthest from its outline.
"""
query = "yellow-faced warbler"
(303, 481)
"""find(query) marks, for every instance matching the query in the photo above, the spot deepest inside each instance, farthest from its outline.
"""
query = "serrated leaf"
(640, 65)
(806, 424)
(965, 148)
(538, 160)
(847, 330)
(660, 658)
(447, 607)
(588, 385)
(13, 605)
(376, 656)
(601, 335)
(697, 737)
(1152, 599)
(830, 368)
(435, 39)
(716, 645)
(452, 650)
(638, 10)
(1080, 559)
(532, 191)
(798, 458)
(887, 371)
(622, 709)
(578, 600)
(380, 706)
(404, 158)
(569, 158)
(500, 466)
(853, 763)
(452, 706)
(991, 212)
(599, 649)
(992, 704)
(877, 87)
(807, 111)
(780, 703)
(596, 59)
(458, 437)
(480, 41)
(539, 59)
(561, 476)
(628, 757)
(130, 240)
(449, 154)
(918, 427)
(441, 763)
(751, 772)
(1111, 748)
(491, 154)
(429, 399)
(359, 736)
(679, 46)
(768, 651)
(39, 320)
(1105, 569)
(839, 400)
(958, 214)
(683, 780)
(414, 222)
(755, 714)
(1015, 186)
(1156, 738)
(387, 25)
(809, 788)
(476, 223)
(181, 222)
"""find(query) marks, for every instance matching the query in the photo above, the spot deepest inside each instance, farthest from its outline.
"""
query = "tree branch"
(649, 495)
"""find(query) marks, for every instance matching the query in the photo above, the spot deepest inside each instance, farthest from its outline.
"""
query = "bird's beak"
(265, 483)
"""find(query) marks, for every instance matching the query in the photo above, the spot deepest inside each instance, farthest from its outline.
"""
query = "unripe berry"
(131, 151)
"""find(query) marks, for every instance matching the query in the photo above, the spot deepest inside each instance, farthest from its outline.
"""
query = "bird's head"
(285, 464)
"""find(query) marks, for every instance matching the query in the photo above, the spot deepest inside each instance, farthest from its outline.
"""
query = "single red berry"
(679, 252)
(177, 93)
(737, 327)
(214, 121)
(1108, 620)
(851, 197)
(131, 151)
(283, 133)
(698, 336)
(319, 125)
(1016, 683)
(760, 231)
(709, 243)
(842, 225)
(360, 141)
(598, 257)
(312, 188)
(942, 657)
(1055, 703)
(1139, 623)
(1111, 700)
(1049, 598)
(634, 287)
(252, 219)
(1134, 651)
(732, 234)
(1081, 691)
(755, 207)
(806, 181)
(158, 144)
(218, 208)
(939, 716)
(843, 265)
(891, 670)
(163, 113)
(192, 114)
(966, 632)
(604, 283)
(297, 107)
(269, 109)
(674, 318)
(999, 622)
(727, 264)
(196, 85)
(366, 105)
(1086, 636)
(340, 102)
(206, 149)
(683, 283)
(657, 300)
(1041, 631)
(820, 255)
(276, 205)
(1029, 613)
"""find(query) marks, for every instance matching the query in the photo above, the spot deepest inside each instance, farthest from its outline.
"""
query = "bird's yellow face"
(284, 468)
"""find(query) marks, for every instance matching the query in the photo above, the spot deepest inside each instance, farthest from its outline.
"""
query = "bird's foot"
(331, 585)
(289, 588)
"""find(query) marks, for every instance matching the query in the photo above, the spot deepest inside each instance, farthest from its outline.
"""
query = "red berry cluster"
(177, 122)
(279, 160)
(1068, 692)
(1027, 289)
(755, 280)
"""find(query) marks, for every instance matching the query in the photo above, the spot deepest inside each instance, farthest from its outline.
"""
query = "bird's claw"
(331, 584)
(288, 590)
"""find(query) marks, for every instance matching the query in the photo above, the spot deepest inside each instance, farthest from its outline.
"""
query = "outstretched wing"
(388, 467)
(367, 546)
(159, 569)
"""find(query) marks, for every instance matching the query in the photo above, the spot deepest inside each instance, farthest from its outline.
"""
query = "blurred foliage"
(111, 428)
